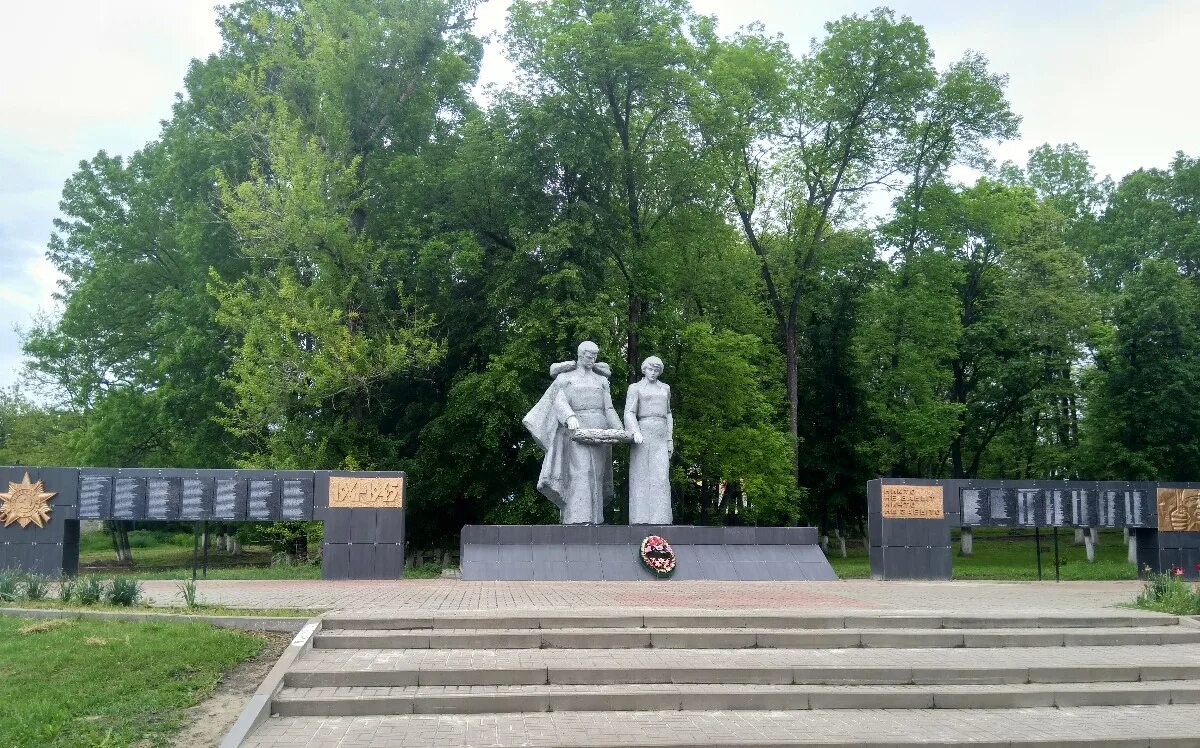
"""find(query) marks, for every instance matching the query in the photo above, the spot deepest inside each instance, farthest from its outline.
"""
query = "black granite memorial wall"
(919, 548)
(364, 526)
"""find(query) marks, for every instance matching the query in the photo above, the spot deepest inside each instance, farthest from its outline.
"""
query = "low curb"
(259, 707)
(280, 624)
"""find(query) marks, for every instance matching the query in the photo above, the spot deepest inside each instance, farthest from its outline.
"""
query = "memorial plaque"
(197, 498)
(1053, 507)
(259, 506)
(95, 497)
(388, 493)
(1108, 508)
(297, 499)
(1081, 507)
(1178, 510)
(972, 503)
(1027, 501)
(229, 500)
(899, 502)
(999, 503)
(162, 498)
(129, 498)
(1133, 508)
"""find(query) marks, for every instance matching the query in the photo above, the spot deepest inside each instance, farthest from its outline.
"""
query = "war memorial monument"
(577, 425)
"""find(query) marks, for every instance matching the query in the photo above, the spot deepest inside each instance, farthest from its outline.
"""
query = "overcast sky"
(77, 76)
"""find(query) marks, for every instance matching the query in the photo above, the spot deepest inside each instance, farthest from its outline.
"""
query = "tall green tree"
(345, 95)
(1145, 381)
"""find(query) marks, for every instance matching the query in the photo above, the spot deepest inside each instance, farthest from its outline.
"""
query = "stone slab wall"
(364, 534)
(1163, 517)
(611, 552)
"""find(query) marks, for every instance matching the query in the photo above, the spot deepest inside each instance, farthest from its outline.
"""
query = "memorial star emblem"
(26, 502)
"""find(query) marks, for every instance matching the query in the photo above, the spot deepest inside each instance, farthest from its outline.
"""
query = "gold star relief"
(26, 502)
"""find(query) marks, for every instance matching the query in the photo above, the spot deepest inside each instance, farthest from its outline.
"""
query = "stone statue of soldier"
(576, 424)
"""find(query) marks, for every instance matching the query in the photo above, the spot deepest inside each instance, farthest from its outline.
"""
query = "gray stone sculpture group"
(576, 424)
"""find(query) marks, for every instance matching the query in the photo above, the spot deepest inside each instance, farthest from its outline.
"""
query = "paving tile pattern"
(855, 595)
(1080, 725)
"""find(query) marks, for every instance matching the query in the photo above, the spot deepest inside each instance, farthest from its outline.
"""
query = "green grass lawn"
(1010, 554)
(168, 555)
(164, 555)
(82, 682)
(203, 609)
(1000, 553)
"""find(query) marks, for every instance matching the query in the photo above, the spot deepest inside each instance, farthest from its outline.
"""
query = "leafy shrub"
(424, 571)
(291, 538)
(66, 589)
(1167, 592)
(10, 585)
(36, 587)
(90, 591)
(124, 591)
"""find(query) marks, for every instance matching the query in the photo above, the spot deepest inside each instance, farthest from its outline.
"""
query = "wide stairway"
(739, 678)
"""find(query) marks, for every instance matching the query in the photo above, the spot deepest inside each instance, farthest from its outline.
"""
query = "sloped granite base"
(610, 553)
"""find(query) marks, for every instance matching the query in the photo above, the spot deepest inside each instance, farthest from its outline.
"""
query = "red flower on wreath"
(657, 555)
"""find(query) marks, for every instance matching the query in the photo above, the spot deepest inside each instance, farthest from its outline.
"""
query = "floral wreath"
(657, 556)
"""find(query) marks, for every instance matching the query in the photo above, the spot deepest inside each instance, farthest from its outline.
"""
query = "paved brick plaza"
(856, 595)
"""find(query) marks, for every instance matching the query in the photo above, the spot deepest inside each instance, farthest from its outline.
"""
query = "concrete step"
(736, 620)
(1095, 727)
(746, 638)
(361, 701)
(411, 667)
(485, 676)
(451, 667)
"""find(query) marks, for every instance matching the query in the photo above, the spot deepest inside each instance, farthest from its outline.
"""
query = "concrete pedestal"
(611, 552)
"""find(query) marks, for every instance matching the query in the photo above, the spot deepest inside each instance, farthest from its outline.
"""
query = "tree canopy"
(336, 255)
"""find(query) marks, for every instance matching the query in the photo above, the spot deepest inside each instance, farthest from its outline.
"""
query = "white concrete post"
(1089, 540)
(967, 541)
(1132, 542)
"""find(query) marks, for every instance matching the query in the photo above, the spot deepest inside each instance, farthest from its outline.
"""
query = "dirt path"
(208, 721)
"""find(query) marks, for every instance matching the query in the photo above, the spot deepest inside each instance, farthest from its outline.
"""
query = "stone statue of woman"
(648, 419)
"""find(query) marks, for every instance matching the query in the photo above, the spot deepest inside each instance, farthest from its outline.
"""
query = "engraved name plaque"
(368, 493)
(912, 502)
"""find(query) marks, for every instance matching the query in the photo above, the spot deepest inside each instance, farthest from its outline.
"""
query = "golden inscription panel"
(913, 502)
(1179, 510)
(366, 493)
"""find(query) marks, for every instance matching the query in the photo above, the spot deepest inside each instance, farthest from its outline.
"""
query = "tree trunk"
(793, 388)
(119, 530)
(958, 395)
(635, 320)
(232, 543)
(299, 549)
